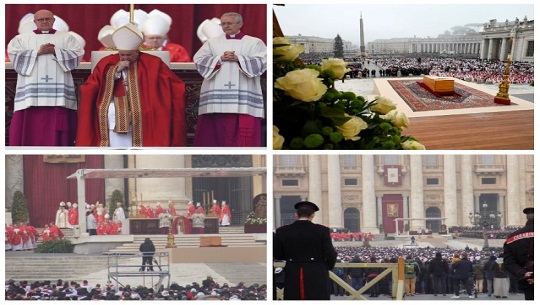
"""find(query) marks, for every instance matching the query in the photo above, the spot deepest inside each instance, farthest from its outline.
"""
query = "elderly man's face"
(229, 25)
(44, 20)
(154, 41)
(130, 56)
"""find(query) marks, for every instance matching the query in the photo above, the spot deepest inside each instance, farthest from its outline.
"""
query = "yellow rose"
(398, 119)
(302, 85)
(287, 53)
(412, 145)
(338, 66)
(278, 139)
(352, 128)
(383, 105)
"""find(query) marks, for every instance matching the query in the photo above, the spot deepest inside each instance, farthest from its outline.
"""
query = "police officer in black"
(308, 253)
(519, 255)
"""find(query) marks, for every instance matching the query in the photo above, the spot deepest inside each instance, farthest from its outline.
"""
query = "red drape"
(88, 19)
(45, 186)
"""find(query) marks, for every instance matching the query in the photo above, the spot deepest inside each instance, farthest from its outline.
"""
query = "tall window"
(289, 161)
(431, 161)
(530, 48)
(348, 161)
(390, 160)
(486, 159)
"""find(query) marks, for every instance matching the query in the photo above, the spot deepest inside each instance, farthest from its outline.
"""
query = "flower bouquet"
(309, 113)
(252, 219)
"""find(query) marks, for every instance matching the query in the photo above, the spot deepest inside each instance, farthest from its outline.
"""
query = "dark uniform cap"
(309, 204)
(528, 211)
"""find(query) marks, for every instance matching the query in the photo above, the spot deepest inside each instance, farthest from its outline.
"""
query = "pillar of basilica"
(369, 215)
(513, 182)
(417, 193)
(450, 191)
(315, 187)
(335, 213)
(467, 196)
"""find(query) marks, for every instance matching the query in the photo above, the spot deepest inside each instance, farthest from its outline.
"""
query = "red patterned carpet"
(419, 99)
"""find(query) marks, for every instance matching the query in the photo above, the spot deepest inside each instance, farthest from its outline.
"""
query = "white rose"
(287, 53)
(383, 105)
(398, 119)
(352, 128)
(338, 66)
(302, 85)
(278, 139)
(412, 145)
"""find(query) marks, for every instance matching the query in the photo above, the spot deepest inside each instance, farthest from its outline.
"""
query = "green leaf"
(336, 116)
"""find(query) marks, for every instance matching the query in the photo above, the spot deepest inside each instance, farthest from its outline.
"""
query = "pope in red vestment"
(154, 107)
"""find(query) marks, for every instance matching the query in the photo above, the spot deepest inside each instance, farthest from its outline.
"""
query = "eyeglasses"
(228, 23)
(44, 19)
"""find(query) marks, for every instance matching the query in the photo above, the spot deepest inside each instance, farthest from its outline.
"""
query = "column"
(512, 185)
(450, 191)
(417, 193)
(379, 209)
(504, 49)
(483, 48)
(277, 211)
(14, 181)
(335, 218)
(467, 197)
(490, 49)
(315, 187)
(369, 214)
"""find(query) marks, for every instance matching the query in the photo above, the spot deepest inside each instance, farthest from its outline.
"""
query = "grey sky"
(383, 21)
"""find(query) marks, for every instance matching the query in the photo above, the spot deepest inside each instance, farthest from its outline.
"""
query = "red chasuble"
(156, 101)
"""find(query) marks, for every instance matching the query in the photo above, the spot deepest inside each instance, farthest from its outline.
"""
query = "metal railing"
(397, 270)
(118, 267)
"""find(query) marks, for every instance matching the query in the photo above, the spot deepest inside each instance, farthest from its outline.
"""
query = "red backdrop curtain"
(88, 19)
(45, 186)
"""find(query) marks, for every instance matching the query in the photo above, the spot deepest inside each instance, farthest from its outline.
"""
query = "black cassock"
(309, 254)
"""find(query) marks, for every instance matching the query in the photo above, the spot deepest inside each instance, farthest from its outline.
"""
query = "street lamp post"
(485, 219)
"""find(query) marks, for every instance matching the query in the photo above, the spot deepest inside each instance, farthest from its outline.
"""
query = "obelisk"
(362, 45)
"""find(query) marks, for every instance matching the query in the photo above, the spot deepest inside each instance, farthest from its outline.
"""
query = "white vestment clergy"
(232, 87)
(45, 80)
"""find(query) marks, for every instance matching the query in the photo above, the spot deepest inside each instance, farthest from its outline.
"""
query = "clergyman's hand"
(47, 48)
(122, 65)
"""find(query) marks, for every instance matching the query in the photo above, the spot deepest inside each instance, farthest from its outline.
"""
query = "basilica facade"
(385, 193)
(43, 179)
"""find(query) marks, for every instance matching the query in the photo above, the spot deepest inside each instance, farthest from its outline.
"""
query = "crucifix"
(229, 85)
(46, 78)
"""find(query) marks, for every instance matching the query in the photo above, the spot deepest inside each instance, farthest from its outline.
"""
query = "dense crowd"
(468, 69)
(64, 290)
(485, 265)
(478, 232)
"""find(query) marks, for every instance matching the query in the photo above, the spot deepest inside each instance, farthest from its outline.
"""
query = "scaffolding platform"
(118, 268)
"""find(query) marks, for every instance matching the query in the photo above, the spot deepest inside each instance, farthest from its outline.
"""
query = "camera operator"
(519, 255)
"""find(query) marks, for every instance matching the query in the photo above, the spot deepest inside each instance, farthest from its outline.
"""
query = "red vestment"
(73, 216)
(157, 101)
(217, 210)
(200, 210)
(191, 210)
(225, 211)
(178, 52)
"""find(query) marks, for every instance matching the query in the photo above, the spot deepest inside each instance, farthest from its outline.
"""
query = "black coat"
(309, 254)
(462, 269)
(147, 248)
(438, 267)
(516, 253)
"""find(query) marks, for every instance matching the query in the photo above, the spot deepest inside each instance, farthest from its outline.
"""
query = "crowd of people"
(437, 271)
(468, 69)
(72, 290)
(478, 232)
